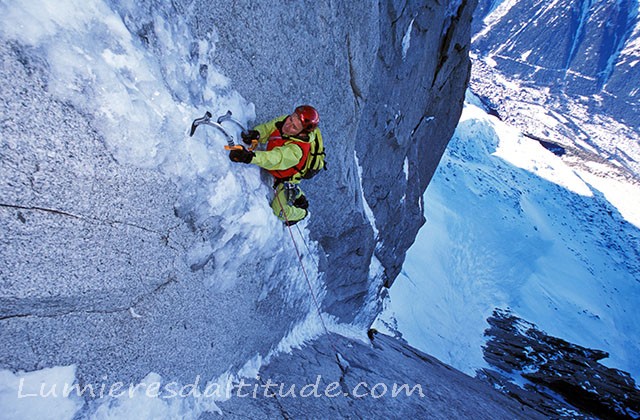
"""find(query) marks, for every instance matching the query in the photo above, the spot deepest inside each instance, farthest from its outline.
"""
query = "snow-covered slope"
(575, 46)
(564, 71)
(553, 237)
(511, 225)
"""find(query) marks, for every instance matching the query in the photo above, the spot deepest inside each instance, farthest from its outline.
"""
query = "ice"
(406, 40)
(367, 209)
(251, 369)
(405, 168)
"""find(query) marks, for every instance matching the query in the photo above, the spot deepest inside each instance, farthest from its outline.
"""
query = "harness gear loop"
(291, 191)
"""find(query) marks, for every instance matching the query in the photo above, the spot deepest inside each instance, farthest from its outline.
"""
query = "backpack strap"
(318, 152)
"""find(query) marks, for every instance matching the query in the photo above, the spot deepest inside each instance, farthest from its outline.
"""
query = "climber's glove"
(241, 155)
(301, 202)
(249, 136)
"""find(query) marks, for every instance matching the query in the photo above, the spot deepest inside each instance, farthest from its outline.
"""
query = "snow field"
(510, 225)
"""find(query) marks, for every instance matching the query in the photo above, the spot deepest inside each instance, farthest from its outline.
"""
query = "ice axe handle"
(235, 147)
(198, 121)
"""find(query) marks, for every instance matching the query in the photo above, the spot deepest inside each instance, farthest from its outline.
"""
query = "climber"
(294, 151)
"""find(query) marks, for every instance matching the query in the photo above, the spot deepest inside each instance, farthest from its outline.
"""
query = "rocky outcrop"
(381, 379)
(554, 367)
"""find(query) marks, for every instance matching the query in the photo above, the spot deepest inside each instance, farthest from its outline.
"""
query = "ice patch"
(406, 40)
(251, 369)
(405, 168)
(367, 209)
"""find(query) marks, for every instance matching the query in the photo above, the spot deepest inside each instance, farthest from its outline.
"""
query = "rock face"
(363, 387)
(552, 365)
(389, 83)
(94, 263)
(405, 127)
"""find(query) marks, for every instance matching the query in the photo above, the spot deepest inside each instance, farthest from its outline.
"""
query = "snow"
(99, 66)
(251, 368)
(631, 50)
(406, 40)
(367, 209)
(405, 168)
(490, 61)
(152, 398)
(510, 225)
(494, 17)
(55, 392)
(18, 393)
(530, 155)
(623, 195)
(506, 220)
(570, 122)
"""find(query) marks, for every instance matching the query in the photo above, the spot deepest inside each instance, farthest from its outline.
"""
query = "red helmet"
(309, 117)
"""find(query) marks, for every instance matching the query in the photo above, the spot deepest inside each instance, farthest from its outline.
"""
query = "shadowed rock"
(554, 366)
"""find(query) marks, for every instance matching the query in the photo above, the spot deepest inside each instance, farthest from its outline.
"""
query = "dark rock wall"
(363, 387)
(556, 367)
(408, 118)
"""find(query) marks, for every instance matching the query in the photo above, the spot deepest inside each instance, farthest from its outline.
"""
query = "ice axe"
(218, 124)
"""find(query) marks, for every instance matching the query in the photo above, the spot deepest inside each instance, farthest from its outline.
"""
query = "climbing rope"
(306, 276)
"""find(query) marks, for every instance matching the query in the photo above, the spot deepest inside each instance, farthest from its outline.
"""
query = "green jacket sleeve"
(279, 158)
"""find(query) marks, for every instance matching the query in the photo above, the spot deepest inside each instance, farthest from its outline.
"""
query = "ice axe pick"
(206, 119)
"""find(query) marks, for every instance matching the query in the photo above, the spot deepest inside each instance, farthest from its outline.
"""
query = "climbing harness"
(291, 191)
